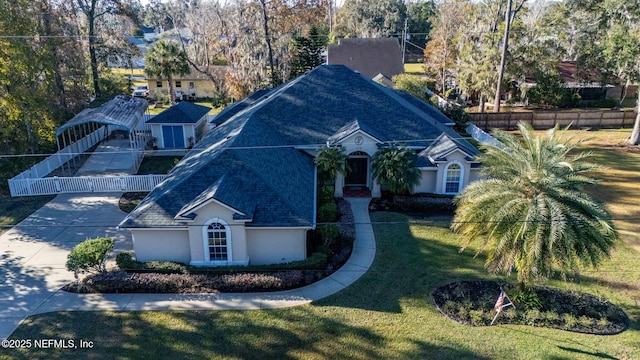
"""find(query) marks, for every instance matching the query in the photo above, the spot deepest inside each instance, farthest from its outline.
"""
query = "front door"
(357, 176)
(173, 136)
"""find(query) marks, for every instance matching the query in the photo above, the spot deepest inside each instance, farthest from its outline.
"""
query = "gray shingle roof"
(183, 112)
(368, 56)
(250, 162)
(427, 108)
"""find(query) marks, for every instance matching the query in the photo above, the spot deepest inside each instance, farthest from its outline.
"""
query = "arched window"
(453, 179)
(217, 237)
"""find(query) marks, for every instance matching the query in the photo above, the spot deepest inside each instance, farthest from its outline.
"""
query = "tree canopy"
(164, 60)
(532, 214)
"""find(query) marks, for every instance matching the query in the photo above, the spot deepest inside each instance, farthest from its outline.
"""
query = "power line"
(371, 223)
(296, 146)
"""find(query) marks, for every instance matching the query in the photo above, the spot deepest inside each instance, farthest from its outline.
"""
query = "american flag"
(500, 302)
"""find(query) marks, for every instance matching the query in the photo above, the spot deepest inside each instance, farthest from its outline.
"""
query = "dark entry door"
(358, 174)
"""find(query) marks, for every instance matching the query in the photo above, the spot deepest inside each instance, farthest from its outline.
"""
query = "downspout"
(315, 196)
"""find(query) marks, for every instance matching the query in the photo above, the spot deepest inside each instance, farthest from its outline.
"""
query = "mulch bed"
(472, 302)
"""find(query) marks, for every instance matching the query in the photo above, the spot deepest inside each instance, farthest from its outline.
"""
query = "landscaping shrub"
(347, 223)
(325, 194)
(317, 261)
(327, 212)
(465, 301)
(125, 261)
(124, 282)
(526, 299)
(329, 233)
(424, 203)
(89, 256)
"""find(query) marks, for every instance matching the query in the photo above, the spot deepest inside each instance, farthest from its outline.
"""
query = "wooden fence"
(549, 119)
(82, 184)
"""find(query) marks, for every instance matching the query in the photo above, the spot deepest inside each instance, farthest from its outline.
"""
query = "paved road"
(34, 253)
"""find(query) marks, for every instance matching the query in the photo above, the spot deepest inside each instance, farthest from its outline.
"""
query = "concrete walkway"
(361, 259)
(33, 254)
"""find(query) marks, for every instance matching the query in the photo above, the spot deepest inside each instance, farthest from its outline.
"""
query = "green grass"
(15, 209)
(158, 164)
(152, 110)
(150, 165)
(416, 69)
(387, 314)
(128, 72)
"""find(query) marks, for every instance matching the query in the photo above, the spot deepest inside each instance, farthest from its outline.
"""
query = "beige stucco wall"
(474, 175)
(164, 245)
(271, 246)
(237, 237)
(368, 146)
(456, 156)
(204, 88)
(156, 132)
(427, 182)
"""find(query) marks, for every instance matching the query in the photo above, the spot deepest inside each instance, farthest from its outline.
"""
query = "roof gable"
(443, 147)
(352, 128)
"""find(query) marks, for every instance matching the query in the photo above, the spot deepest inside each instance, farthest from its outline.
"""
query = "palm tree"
(330, 161)
(394, 168)
(531, 213)
(164, 60)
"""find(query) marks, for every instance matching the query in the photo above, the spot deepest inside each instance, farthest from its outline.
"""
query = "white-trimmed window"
(217, 242)
(453, 178)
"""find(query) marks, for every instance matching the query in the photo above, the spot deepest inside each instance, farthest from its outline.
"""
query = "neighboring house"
(127, 60)
(246, 193)
(194, 85)
(150, 34)
(180, 126)
(587, 83)
(371, 57)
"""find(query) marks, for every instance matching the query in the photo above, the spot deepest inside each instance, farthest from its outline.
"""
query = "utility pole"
(330, 16)
(505, 45)
(404, 37)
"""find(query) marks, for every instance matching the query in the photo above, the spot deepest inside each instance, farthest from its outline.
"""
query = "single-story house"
(589, 84)
(180, 126)
(246, 193)
(194, 85)
(371, 57)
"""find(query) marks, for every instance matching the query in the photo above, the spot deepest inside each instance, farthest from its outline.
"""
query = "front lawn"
(387, 314)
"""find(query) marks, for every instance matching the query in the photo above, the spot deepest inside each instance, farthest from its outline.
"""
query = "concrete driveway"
(33, 253)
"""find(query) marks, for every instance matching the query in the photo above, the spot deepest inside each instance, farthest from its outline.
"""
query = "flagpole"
(494, 318)
(501, 305)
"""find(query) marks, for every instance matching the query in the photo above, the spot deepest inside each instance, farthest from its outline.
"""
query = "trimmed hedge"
(317, 261)
(125, 282)
(328, 212)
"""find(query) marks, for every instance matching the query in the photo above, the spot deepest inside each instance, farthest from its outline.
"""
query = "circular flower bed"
(472, 303)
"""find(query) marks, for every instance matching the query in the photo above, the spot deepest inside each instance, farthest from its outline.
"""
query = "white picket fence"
(63, 156)
(84, 184)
